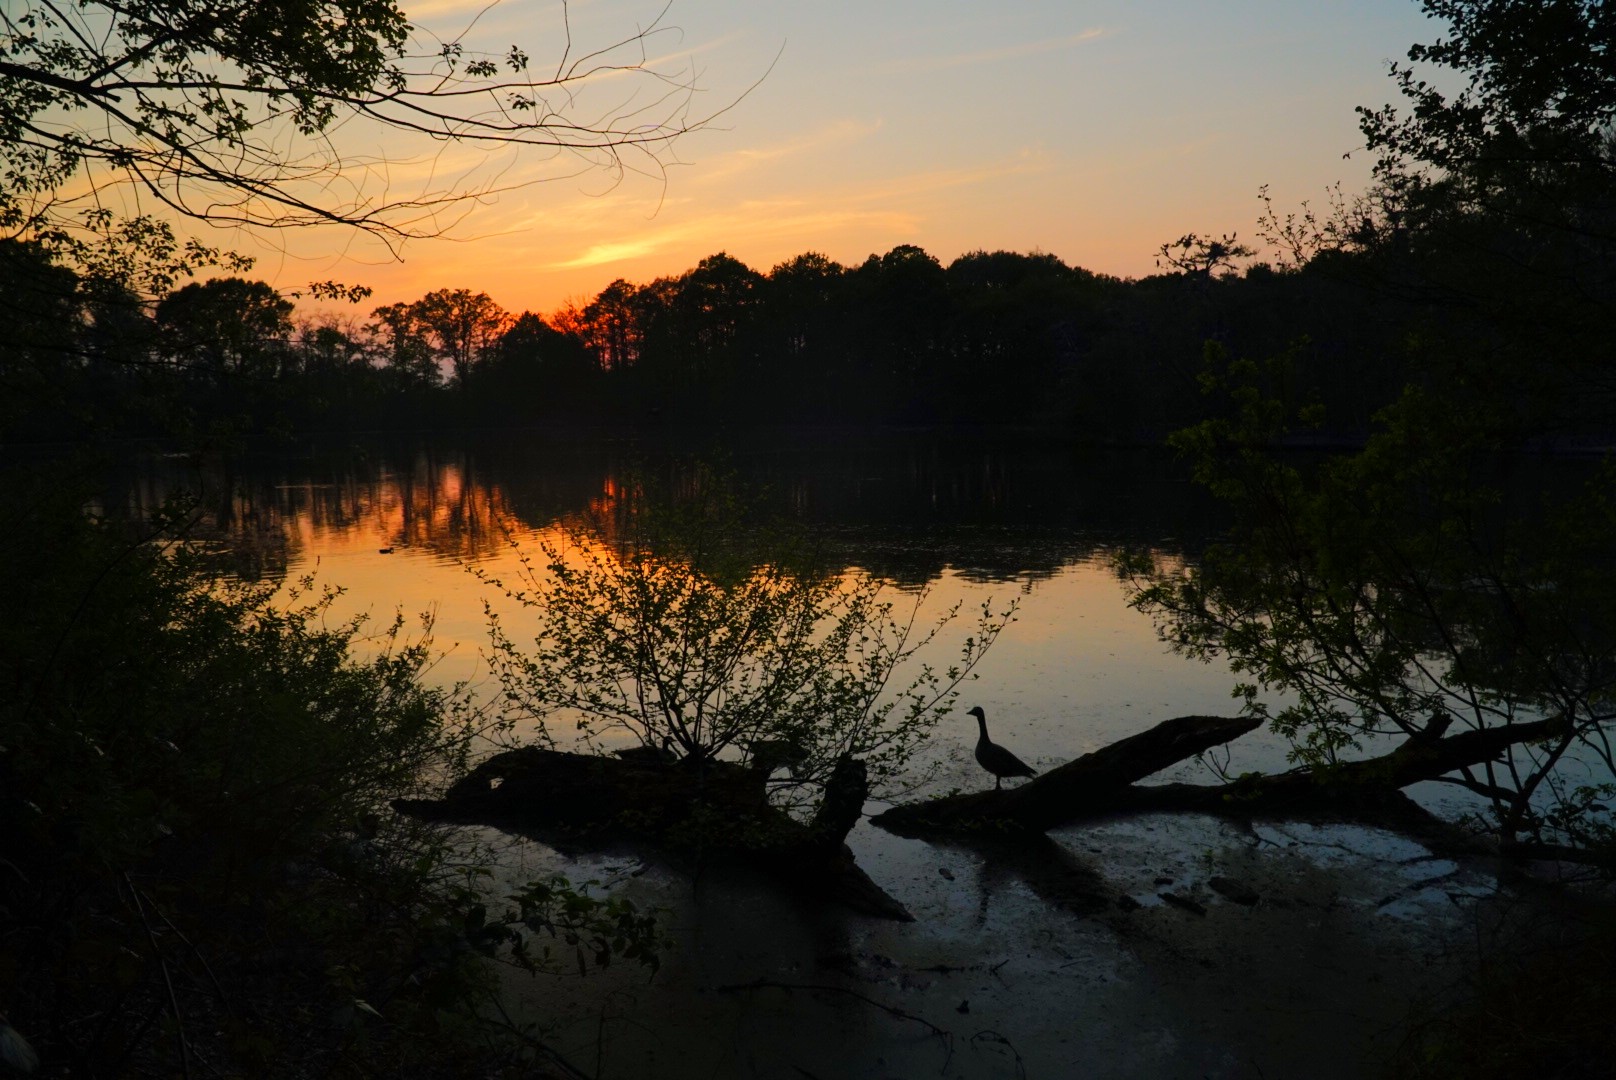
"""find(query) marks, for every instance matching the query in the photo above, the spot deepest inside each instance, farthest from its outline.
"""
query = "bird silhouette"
(995, 758)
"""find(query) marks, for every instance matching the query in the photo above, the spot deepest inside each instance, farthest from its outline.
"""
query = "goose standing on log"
(995, 758)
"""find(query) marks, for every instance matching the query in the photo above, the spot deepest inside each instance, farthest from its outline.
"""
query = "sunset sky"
(1091, 129)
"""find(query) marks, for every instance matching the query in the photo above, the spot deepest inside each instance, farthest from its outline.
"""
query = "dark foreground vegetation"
(199, 872)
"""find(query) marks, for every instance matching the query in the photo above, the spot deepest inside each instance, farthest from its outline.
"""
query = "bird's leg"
(998, 783)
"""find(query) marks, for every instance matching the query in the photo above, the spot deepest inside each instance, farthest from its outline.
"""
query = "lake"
(993, 979)
(398, 527)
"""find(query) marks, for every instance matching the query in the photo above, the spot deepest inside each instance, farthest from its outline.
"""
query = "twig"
(994, 1036)
(203, 960)
(168, 982)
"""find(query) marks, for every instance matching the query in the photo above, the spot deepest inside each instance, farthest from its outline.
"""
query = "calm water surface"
(1314, 982)
(398, 527)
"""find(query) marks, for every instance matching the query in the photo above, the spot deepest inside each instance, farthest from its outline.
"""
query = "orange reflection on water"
(268, 525)
(434, 507)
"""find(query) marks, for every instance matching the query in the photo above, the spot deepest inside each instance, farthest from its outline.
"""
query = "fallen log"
(1369, 790)
(1102, 784)
(706, 812)
(1091, 784)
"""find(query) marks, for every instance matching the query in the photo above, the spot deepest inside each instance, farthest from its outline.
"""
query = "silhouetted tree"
(1016, 332)
(804, 341)
(1431, 589)
(900, 304)
(611, 326)
(462, 326)
(537, 371)
(404, 348)
(37, 348)
(1203, 256)
(226, 326)
(332, 344)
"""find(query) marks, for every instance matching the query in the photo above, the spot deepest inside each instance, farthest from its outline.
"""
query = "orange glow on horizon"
(1093, 134)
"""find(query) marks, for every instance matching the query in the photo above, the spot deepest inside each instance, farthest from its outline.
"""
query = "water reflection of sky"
(397, 529)
(397, 526)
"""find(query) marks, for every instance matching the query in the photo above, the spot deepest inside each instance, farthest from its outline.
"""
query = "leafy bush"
(198, 865)
(1421, 588)
(677, 622)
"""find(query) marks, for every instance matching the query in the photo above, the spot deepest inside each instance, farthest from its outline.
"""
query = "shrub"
(682, 625)
(198, 865)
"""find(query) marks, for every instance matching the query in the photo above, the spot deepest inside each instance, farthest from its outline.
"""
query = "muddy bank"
(1185, 946)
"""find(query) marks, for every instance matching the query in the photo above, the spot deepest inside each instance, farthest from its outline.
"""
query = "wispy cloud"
(895, 206)
(417, 10)
(921, 64)
(922, 183)
(1151, 159)
(625, 58)
(586, 214)
(841, 132)
(618, 251)
(753, 220)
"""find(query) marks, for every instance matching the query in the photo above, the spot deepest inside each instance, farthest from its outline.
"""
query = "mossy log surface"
(711, 811)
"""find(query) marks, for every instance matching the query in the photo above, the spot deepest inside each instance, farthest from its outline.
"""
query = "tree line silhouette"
(993, 339)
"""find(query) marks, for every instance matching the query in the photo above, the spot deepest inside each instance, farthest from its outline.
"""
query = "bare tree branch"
(226, 112)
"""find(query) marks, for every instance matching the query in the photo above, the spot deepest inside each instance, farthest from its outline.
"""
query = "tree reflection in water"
(1003, 511)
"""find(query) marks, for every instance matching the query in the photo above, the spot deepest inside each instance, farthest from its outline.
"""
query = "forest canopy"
(993, 339)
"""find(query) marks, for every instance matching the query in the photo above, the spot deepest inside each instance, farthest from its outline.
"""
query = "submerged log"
(712, 810)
